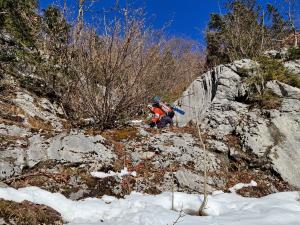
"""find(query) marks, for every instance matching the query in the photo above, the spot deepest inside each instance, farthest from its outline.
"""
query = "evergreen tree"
(243, 32)
(19, 19)
(279, 27)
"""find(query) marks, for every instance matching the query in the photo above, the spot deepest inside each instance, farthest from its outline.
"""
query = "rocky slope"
(39, 146)
(270, 136)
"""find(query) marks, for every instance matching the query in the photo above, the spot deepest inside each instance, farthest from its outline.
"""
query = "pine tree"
(19, 19)
(243, 32)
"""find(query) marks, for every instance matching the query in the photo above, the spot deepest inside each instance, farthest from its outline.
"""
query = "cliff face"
(220, 100)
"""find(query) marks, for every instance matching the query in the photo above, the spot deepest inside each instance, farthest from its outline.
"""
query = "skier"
(159, 117)
(164, 106)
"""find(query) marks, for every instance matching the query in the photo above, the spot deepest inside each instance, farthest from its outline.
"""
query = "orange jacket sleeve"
(158, 114)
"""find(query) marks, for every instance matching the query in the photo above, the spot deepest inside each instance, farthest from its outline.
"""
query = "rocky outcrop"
(178, 158)
(34, 130)
(294, 66)
(271, 135)
(220, 84)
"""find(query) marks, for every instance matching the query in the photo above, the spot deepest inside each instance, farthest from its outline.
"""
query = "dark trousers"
(164, 122)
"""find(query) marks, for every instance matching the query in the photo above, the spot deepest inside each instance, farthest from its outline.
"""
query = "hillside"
(244, 142)
(75, 144)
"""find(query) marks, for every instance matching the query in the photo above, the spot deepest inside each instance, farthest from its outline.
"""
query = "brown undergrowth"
(27, 213)
(266, 182)
(69, 179)
(121, 134)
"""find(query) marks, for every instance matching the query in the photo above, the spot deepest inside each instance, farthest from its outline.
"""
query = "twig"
(173, 192)
(180, 216)
(204, 202)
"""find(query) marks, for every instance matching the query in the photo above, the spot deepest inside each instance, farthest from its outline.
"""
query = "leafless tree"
(110, 72)
(291, 16)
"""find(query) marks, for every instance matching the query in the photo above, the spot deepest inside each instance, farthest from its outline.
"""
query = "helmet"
(156, 99)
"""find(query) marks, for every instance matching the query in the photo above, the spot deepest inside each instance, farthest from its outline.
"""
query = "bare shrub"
(107, 72)
(110, 77)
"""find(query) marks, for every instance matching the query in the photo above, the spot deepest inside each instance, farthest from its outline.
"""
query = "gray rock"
(221, 84)
(143, 132)
(285, 154)
(71, 147)
(3, 185)
(192, 181)
(147, 155)
(271, 135)
(293, 66)
(41, 108)
(2, 222)
(6, 169)
(283, 90)
(277, 54)
(74, 147)
(218, 146)
(255, 135)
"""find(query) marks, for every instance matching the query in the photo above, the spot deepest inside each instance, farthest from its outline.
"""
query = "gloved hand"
(152, 124)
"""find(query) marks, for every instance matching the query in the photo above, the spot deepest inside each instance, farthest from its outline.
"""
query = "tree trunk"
(79, 20)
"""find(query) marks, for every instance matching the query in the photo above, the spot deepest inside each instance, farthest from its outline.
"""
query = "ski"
(180, 111)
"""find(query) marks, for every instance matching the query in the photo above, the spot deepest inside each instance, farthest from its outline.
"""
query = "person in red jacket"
(159, 117)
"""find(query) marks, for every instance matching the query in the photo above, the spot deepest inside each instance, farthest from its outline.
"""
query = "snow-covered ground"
(124, 172)
(142, 209)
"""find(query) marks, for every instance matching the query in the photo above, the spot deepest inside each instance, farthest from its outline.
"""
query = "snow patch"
(242, 185)
(124, 172)
(142, 209)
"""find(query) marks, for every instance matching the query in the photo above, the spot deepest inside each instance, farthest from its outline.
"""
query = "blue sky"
(188, 17)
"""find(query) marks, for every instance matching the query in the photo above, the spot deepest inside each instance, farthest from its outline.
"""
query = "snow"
(242, 185)
(141, 209)
(124, 172)
(136, 122)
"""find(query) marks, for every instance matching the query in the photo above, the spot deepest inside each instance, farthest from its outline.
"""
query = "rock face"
(33, 130)
(175, 160)
(219, 85)
(73, 147)
(293, 66)
(218, 98)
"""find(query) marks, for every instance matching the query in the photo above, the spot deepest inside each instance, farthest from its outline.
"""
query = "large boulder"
(220, 84)
(73, 147)
(272, 137)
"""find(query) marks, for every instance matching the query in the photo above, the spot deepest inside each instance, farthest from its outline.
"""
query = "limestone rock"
(270, 136)
(285, 154)
(73, 147)
(293, 66)
(192, 181)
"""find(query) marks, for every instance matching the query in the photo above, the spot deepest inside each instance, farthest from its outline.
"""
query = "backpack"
(167, 109)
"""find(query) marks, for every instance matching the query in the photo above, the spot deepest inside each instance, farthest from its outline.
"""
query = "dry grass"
(264, 179)
(11, 114)
(267, 100)
(6, 140)
(37, 123)
(10, 122)
(118, 135)
(233, 141)
(27, 213)
(12, 109)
